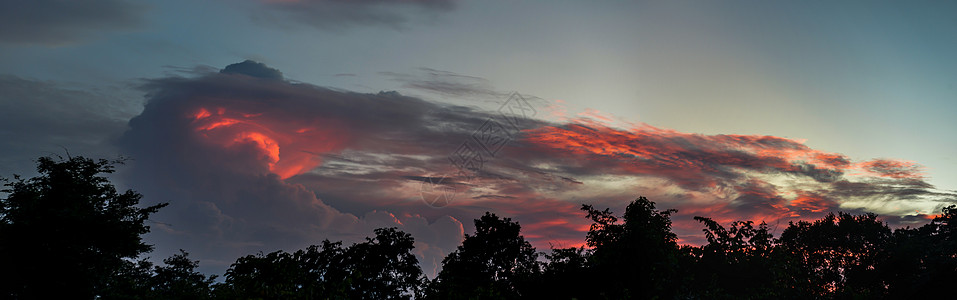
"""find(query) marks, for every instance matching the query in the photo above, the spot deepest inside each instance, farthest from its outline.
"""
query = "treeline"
(68, 234)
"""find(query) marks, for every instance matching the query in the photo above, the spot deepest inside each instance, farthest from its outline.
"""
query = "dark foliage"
(176, 279)
(838, 254)
(383, 267)
(495, 263)
(921, 262)
(742, 253)
(66, 233)
(637, 258)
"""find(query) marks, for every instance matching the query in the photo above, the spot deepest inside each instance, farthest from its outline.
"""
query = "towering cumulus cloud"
(220, 147)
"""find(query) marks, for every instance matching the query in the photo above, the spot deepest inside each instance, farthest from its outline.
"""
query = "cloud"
(344, 14)
(732, 177)
(445, 83)
(251, 161)
(893, 168)
(58, 22)
(693, 161)
(254, 69)
(43, 118)
(813, 202)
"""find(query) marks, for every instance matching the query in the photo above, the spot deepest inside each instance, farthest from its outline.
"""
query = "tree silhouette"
(133, 280)
(638, 258)
(64, 233)
(383, 267)
(738, 263)
(839, 253)
(495, 263)
(276, 275)
(922, 262)
(942, 255)
(323, 275)
(178, 279)
(567, 275)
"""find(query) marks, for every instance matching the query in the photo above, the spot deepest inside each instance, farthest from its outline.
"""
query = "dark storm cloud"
(39, 118)
(55, 22)
(342, 14)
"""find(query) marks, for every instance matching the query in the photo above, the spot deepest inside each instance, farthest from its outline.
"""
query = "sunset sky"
(275, 124)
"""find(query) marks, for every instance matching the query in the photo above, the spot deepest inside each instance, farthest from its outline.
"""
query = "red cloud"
(676, 149)
(289, 145)
(207, 141)
(731, 177)
(812, 202)
(893, 168)
(693, 160)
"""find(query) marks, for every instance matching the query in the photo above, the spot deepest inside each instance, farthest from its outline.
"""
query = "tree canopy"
(494, 263)
(382, 267)
(68, 230)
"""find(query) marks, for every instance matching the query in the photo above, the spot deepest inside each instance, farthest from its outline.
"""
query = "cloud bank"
(737, 177)
(236, 152)
(253, 162)
(46, 118)
(58, 22)
(344, 14)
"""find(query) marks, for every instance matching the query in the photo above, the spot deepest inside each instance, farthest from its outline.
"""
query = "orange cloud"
(694, 161)
(677, 149)
(289, 147)
(893, 168)
(726, 177)
(812, 202)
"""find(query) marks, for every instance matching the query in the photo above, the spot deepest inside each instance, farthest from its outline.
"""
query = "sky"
(274, 124)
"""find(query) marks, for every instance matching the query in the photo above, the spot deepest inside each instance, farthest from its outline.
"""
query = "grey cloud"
(367, 156)
(43, 118)
(227, 201)
(254, 69)
(898, 189)
(445, 83)
(344, 14)
(57, 22)
(486, 196)
(818, 174)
